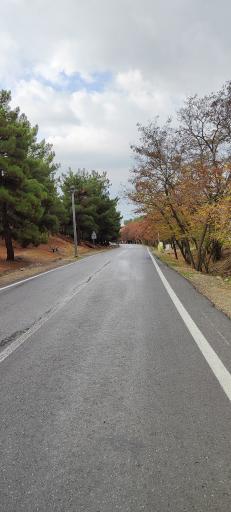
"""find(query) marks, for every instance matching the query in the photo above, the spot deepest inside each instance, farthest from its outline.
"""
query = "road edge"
(193, 284)
(51, 268)
(213, 360)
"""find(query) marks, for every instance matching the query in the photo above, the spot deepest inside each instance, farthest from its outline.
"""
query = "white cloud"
(97, 125)
(45, 106)
(155, 53)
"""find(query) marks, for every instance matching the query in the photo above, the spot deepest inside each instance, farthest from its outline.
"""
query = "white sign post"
(93, 237)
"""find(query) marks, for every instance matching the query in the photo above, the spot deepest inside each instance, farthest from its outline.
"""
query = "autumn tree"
(205, 130)
(139, 230)
(181, 177)
(156, 178)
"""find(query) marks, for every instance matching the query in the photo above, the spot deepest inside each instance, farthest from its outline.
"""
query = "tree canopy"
(95, 210)
(31, 205)
(182, 177)
(137, 230)
(28, 197)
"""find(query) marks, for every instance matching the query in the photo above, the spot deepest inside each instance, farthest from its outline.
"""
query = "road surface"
(108, 402)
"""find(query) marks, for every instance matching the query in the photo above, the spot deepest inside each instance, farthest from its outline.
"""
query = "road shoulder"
(215, 288)
(40, 268)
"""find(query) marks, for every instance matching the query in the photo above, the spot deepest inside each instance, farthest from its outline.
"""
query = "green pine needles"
(30, 204)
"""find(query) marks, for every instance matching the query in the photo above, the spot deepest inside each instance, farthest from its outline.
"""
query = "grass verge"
(36, 260)
(216, 288)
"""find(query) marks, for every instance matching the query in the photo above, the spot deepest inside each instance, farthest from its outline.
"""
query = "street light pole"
(74, 219)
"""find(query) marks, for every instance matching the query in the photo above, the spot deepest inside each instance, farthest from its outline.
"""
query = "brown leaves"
(182, 178)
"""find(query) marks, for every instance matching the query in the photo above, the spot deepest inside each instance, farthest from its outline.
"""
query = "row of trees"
(182, 178)
(33, 202)
(137, 230)
(95, 210)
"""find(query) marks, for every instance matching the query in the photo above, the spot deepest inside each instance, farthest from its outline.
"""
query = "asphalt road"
(107, 402)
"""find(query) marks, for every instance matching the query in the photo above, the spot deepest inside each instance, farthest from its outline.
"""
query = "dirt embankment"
(33, 260)
(215, 286)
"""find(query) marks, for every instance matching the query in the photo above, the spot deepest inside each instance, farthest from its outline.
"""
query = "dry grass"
(33, 260)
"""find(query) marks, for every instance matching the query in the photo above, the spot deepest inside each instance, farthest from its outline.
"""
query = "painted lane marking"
(47, 316)
(220, 371)
(2, 288)
(214, 327)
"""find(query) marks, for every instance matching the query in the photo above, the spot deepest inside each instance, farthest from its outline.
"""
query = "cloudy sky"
(88, 70)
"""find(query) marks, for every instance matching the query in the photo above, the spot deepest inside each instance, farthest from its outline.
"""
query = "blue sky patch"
(75, 82)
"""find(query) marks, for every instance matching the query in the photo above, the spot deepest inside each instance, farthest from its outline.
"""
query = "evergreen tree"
(29, 203)
(95, 210)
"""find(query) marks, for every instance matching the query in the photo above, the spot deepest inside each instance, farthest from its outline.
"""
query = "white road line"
(47, 272)
(47, 316)
(214, 327)
(221, 373)
(25, 336)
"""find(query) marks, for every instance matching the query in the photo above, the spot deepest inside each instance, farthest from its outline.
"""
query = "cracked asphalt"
(108, 404)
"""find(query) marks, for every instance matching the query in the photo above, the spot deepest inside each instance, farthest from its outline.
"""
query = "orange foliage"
(140, 230)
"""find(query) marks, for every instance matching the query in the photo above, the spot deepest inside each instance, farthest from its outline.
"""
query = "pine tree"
(28, 196)
(95, 210)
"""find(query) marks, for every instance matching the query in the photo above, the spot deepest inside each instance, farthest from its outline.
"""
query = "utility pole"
(72, 190)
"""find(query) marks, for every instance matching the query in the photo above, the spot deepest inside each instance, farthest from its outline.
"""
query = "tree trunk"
(7, 235)
(187, 251)
(191, 259)
(200, 254)
(216, 250)
(180, 245)
(174, 248)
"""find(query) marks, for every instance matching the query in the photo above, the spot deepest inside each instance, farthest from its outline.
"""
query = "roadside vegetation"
(34, 202)
(216, 285)
(33, 259)
(138, 230)
(95, 210)
(181, 181)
